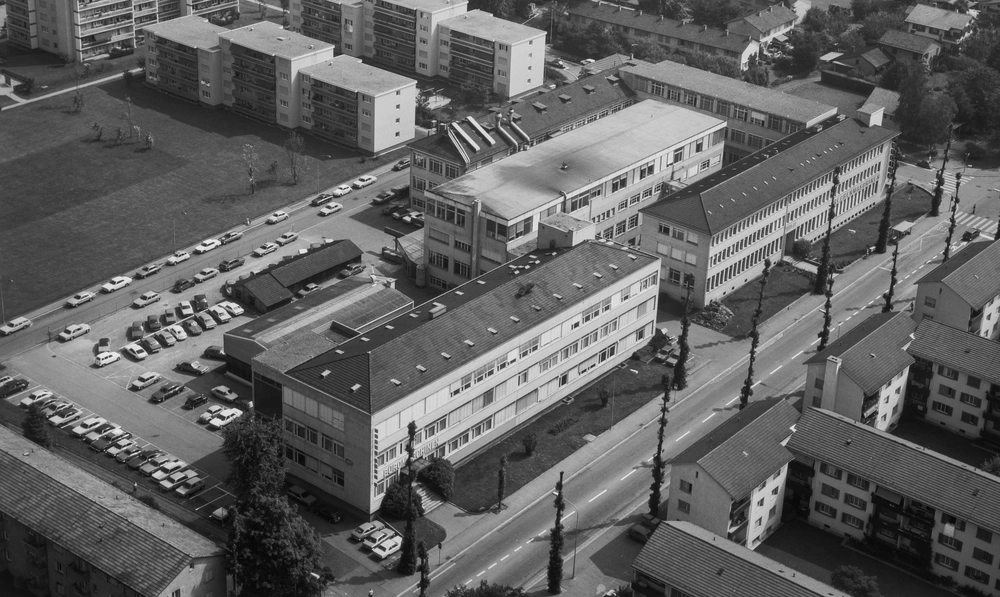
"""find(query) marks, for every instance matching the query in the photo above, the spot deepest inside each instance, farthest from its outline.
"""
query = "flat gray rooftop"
(271, 38)
(481, 24)
(350, 73)
(192, 31)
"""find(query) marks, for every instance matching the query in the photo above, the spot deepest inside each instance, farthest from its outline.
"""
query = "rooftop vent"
(355, 388)
(492, 331)
(437, 310)
(365, 339)
(565, 98)
(536, 307)
(470, 343)
(515, 319)
(389, 327)
(525, 289)
(578, 286)
(338, 351)
(416, 314)
(613, 79)
(558, 297)
(540, 106)
(459, 293)
(564, 166)
(632, 257)
(446, 355)
(598, 276)
(421, 369)
(480, 282)
(396, 382)
(326, 373)
(613, 266)
(589, 88)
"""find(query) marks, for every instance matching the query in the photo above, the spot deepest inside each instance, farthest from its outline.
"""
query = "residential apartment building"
(65, 532)
(260, 71)
(765, 25)
(964, 292)
(405, 35)
(946, 27)
(466, 145)
(505, 57)
(909, 46)
(731, 482)
(673, 36)
(936, 513)
(683, 560)
(357, 105)
(756, 116)
(863, 374)
(466, 368)
(721, 229)
(82, 30)
(483, 219)
(183, 58)
(955, 381)
(336, 22)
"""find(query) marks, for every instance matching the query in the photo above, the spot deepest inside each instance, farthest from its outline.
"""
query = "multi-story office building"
(405, 35)
(721, 229)
(964, 292)
(505, 57)
(756, 116)
(946, 27)
(260, 71)
(683, 560)
(82, 30)
(732, 481)
(65, 532)
(183, 58)
(863, 374)
(337, 22)
(466, 368)
(358, 105)
(939, 514)
(955, 381)
(670, 34)
(482, 219)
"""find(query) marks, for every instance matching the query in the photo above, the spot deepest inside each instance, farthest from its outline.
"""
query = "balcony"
(81, 589)
(737, 523)
(252, 56)
(35, 546)
(918, 531)
(115, 11)
(38, 563)
(79, 570)
(37, 588)
(255, 82)
(871, 419)
(96, 4)
(739, 505)
(921, 514)
(254, 69)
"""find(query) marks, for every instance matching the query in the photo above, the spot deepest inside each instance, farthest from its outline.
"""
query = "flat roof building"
(183, 58)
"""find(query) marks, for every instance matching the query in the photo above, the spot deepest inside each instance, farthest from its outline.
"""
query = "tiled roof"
(747, 186)
(875, 56)
(754, 97)
(938, 18)
(651, 23)
(271, 38)
(886, 98)
(900, 466)
(973, 273)
(702, 564)
(191, 31)
(746, 449)
(318, 260)
(481, 24)
(873, 351)
(136, 545)
(766, 20)
(905, 40)
(266, 289)
(957, 349)
(350, 73)
(393, 351)
(575, 160)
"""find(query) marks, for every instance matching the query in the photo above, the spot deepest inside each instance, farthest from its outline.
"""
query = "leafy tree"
(860, 9)
(824, 334)
(816, 20)
(802, 249)
(893, 76)
(680, 369)
(440, 475)
(501, 481)
(126, 115)
(604, 395)
(648, 50)
(882, 243)
(659, 339)
(720, 65)
(424, 568)
(806, 51)
(254, 448)
(991, 465)
(853, 581)
(128, 77)
(295, 147)
(912, 90)
(887, 308)
(982, 44)
(878, 23)
(555, 570)
(34, 426)
(530, 442)
(475, 92)
(397, 503)
(485, 590)
(976, 93)
(714, 13)
(407, 552)
(250, 159)
(747, 390)
(658, 463)
(823, 271)
(952, 223)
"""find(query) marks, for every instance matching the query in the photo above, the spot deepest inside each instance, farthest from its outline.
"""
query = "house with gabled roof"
(909, 46)
(964, 292)
(947, 27)
(765, 25)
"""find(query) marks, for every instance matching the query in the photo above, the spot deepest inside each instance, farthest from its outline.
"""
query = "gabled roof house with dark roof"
(910, 46)
(949, 28)
(764, 25)
(466, 367)
(69, 533)
(732, 481)
(964, 292)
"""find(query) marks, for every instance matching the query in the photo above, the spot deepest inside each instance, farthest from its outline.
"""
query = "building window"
(947, 372)
(929, 302)
(973, 382)
(857, 481)
(945, 561)
(855, 502)
(949, 542)
(463, 269)
(646, 170)
(942, 408)
(825, 509)
(982, 555)
(686, 487)
(831, 471)
(971, 400)
(619, 183)
(683, 506)
(984, 535)
(977, 575)
(678, 155)
(284, 103)
(853, 521)
(969, 419)
(946, 391)
(829, 491)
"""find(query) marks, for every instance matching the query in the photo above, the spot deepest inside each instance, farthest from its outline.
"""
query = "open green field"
(75, 211)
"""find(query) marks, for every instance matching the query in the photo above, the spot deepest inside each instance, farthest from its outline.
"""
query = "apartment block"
(183, 58)
(466, 368)
(336, 22)
(731, 482)
(935, 513)
(863, 374)
(955, 381)
(765, 25)
(683, 560)
(946, 27)
(964, 292)
(260, 71)
(670, 34)
(506, 57)
(358, 105)
(66, 532)
(756, 116)
(483, 219)
(721, 229)
(405, 35)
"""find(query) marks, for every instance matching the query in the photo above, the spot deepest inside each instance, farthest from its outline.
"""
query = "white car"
(377, 537)
(220, 314)
(146, 298)
(207, 245)
(187, 310)
(206, 274)
(172, 481)
(224, 393)
(116, 283)
(87, 426)
(330, 208)
(234, 309)
(224, 418)
(387, 547)
(145, 380)
(65, 417)
(341, 191)
(100, 432)
(35, 397)
(366, 529)
(286, 238)
(15, 325)
(120, 446)
(106, 358)
(278, 216)
(264, 249)
(178, 257)
(80, 298)
(168, 469)
(74, 331)
(177, 332)
(364, 181)
(136, 352)
(210, 414)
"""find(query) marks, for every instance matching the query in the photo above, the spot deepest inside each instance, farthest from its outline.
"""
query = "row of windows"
(296, 456)
(747, 222)
(314, 437)
(744, 242)
(722, 107)
(743, 264)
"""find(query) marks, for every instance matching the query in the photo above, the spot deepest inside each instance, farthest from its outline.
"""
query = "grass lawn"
(428, 531)
(784, 286)
(52, 74)
(476, 479)
(77, 211)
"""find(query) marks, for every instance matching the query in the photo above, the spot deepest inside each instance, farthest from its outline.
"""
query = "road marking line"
(627, 476)
(467, 582)
(705, 420)
(492, 566)
(518, 548)
(775, 370)
(545, 531)
(733, 400)
(757, 383)
(686, 433)
(814, 341)
(568, 514)
(597, 496)
(441, 571)
(913, 272)
(848, 318)
(480, 574)
(505, 557)
(798, 353)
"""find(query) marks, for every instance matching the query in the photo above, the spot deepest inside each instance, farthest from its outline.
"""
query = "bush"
(440, 476)
(149, 501)
(394, 502)
(975, 150)
(530, 442)
(562, 425)
(605, 396)
(802, 249)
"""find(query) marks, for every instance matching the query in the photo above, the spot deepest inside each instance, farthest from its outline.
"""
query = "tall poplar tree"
(555, 571)
(824, 334)
(952, 223)
(823, 271)
(939, 189)
(680, 369)
(892, 282)
(882, 243)
(747, 391)
(658, 464)
(408, 551)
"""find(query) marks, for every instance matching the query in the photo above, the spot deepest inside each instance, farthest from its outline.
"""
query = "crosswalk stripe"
(972, 221)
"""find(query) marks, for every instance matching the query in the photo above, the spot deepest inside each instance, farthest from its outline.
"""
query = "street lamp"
(576, 535)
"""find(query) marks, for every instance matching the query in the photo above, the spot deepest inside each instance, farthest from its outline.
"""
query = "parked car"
(220, 314)
(173, 481)
(278, 216)
(643, 530)
(144, 380)
(74, 330)
(205, 320)
(194, 367)
(364, 181)
(970, 235)
(137, 460)
(665, 352)
(153, 323)
(4, 379)
(106, 358)
(16, 386)
(331, 208)
(80, 298)
(169, 317)
(230, 237)
(214, 352)
(35, 397)
(309, 289)
(206, 274)
(327, 513)
(366, 528)
(104, 344)
(15, 325)
(265, 249)
(286, 238)
(225, 418)
(153, 464)
(210, 413)
(119, 446)
(195, 401)
(414, 219)
(108, 439)
(392, 210)
(116, 283)
(150, 345)
(190, 487)
(207, 245)
(387, 547)
(177, 332)
(351, 270)
(224, 393)
(231, 264)
(182, 284)
(168, 469)
(148, 270)
(146, 298)
(128, 453)
(192, 327)
(377, 537)
(383, 197)
(200, 302)
(321, 199)
(54, 407)
(231, 308)
(403, 213)
(166, 391)
(165, 338)
(136, 352)
(401, 164)
(65, 417)
(220, 515)
(178, 257)
(341, 190)
(98, 433)
(136, 331)
(185, 308)
(301, 496)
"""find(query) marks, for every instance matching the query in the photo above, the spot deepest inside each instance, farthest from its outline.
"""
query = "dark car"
(309, 289)
(195, 401)
(230, 237)
(200, 302)
(924, 164)
(321, 199)
(104, 344)
(151, 345)
(214, 352)
(13, 387)
(328, 514)
(148, 270)
(643, 530)
(970, 235)
(392, 210)
(401, 164)
(153, 323)
(135, 331)
(351, 270)
(383, 197)
(166, 391)
(169, 317)
(231, 264)
(193, 367)
(141, 458)
(182, 285)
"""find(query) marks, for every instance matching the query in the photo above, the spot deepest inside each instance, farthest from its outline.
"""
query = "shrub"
(149, 501)
(440, 475)
(530, 442)
(394, 502)
(659, 339)
(802, 249)
(605, 395)
(562, 425)
(975, 150)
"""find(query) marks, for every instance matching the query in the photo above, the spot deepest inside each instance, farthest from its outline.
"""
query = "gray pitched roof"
(318, 260)
(872, 352)
(900, 466)
(272, 38)
(973, 273)
(393, 351)
(957, 349)
(938, 18)
(904, 40)
(765, 20)
(702, 564)
(746, 449)
(886, 98)
(749, 185)
(140, 547)
(266, 289)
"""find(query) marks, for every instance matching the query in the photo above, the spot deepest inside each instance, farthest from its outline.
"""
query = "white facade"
(828, 387)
